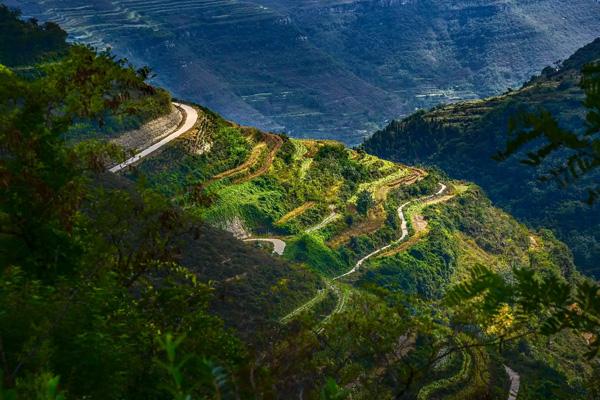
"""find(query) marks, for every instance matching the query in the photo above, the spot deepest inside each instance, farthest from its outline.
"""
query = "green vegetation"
(24, 43)
(96, 273)
(462, 138)
(34, 51)
(364, 202)
(584, 149)
(332, 331)
(312, 250)
(114, 288)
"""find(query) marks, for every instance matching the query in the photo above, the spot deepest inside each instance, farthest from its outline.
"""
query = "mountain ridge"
(337, 70)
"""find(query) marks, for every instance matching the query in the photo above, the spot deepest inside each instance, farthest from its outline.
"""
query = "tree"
(364, 202)
(26, 42)
(42, 181)
(529, 304)
(578, 152)
(88, 276)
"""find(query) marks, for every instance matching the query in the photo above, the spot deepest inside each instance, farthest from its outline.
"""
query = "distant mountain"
(461, 139)
(330, 69)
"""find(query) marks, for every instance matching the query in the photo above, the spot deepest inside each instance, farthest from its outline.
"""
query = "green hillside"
(232, 263)
(100, 279)
(333, 206)
(462, 138)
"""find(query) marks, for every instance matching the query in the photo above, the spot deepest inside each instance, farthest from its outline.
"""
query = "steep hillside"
(334, 69)
(461, 139)
(101, 280)
(350, 277)
(371, 229)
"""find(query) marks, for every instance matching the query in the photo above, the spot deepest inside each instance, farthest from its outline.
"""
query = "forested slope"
(462, 138)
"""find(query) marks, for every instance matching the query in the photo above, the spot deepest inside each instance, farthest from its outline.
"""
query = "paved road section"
(515, 383)
(278, 244)
(191, 116)
(403, 227)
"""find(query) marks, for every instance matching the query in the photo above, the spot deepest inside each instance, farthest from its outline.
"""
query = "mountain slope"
(334, 69)
(110, 289)
(97, 275)
(367, 226)
(461, 139)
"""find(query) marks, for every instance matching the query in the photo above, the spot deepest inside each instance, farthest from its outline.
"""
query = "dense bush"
(27, 42)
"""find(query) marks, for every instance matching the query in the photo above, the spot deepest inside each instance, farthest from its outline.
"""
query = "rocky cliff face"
(335, 68)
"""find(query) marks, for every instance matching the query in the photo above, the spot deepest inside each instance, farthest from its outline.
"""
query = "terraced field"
(276, 193)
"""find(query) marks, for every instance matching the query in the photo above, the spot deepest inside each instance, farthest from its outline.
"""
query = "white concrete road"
(515, 383)
(191, 116)
(278, 244)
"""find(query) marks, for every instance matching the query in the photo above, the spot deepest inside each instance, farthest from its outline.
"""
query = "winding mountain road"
(190, 119)
(341, 294)
(403, 228)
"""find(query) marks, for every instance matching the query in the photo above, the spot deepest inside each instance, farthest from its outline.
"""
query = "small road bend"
(190, 119)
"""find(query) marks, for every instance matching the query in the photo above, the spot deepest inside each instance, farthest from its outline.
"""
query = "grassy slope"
(461, 138)
(263, 184)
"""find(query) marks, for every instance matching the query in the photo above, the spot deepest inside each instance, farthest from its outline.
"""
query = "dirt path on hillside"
(273, 142)
(381, 192)
(250, 161)
(277, 142)
(403, 228)
(420, 227)
(377, 215)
